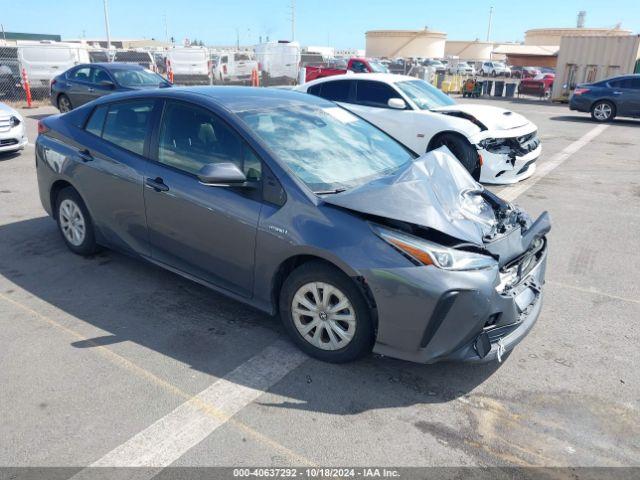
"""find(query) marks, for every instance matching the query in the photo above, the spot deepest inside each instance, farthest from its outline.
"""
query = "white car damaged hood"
(494, 118)
(434, 191)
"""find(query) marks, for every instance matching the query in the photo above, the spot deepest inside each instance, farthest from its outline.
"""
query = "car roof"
(379, 77)
(114, 65)
(234, 99)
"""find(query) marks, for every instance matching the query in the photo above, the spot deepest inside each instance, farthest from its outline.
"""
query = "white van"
(190, 65)
(278, 61)
(234, 67)
(44, 60)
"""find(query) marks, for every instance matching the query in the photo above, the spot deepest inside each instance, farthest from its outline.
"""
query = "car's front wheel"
(462, 150)
(325, 313)
(64, 104)
(603, 111)
(75, 222)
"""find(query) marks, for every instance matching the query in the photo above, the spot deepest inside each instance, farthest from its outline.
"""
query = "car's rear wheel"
(462, 150)
(325, 313)
(64, 104)
(603, 111)
(75, 222)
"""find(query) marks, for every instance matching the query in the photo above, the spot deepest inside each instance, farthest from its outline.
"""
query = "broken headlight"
(493, 144)
(424, 252)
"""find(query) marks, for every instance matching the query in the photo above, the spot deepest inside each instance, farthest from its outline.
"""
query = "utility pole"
(166, 29)
(106, 25)
(490, 18)
(293, 20)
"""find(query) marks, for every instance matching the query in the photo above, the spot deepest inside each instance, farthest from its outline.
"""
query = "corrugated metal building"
(589, 59)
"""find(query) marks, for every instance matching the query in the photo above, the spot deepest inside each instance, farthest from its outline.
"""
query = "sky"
(338, 23)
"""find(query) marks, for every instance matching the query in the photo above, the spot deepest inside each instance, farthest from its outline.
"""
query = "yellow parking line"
(149, 376)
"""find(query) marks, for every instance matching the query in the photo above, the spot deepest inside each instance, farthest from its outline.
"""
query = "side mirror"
(397, 103)
(221, 175)
(107, 84)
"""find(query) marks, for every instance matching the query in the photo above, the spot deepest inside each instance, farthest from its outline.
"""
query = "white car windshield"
(328, 148)
(424, 95)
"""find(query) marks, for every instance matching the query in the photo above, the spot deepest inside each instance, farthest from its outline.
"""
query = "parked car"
(234, 67)
(495, 145)
(437, 65)
(610, 98)
(12, 133)
(540, 85)
(355, 65)
(135, 57)
(494, 69)
(10, 85)
(87, 82)
(524, 72)
(461, 68)
(295, 206)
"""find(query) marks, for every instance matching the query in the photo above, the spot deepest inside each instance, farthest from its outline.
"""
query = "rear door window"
(127, 124)
(374, 94)
(82, 74)
(337, 91)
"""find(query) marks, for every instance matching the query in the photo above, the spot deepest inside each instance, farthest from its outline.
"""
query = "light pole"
(106, 25)
(490, 18)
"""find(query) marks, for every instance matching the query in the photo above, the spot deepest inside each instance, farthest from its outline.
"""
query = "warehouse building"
(405, 43)
(589, 59)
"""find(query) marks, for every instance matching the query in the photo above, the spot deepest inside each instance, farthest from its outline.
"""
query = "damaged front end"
(509, 159)
(476, 287)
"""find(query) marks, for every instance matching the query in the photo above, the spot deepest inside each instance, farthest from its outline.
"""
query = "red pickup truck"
(340, 67)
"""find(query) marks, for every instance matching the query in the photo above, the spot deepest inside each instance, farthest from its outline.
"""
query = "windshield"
(327, 148)
(241, 57)
(138, 78)
(424, 95)
(378, 67)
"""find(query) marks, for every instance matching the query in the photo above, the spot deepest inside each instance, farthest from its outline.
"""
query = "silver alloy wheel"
(72, 222)
(323, 316)
(602, 111)
(64, 105)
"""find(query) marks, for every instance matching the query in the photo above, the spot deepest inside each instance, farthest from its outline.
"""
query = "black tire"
(316, 271)
(88, 245)
(64, 103)
(462, 150)
(603, 104)
(494, 74)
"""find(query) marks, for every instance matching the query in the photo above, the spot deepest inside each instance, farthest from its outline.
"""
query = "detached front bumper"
(428, 315)
(511, 162)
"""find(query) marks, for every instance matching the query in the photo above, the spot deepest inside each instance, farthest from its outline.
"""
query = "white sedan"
(12, 133)
(496, 145)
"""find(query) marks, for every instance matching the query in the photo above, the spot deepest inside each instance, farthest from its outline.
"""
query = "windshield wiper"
(330, 192)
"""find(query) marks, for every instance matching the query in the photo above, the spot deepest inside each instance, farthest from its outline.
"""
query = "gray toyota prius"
(289, 203)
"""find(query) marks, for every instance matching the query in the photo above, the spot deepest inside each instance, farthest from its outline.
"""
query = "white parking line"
(173, 435)
(512, 192)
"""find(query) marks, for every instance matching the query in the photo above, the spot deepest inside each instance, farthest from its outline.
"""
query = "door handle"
(91, 89)
(156, 183)
(85, 155)
(617, 93)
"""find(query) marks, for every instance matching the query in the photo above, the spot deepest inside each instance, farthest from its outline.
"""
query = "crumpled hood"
(434, 191)
(494, 118)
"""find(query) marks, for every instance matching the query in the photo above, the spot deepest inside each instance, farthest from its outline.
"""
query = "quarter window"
(191, 137)
(127, 123)
(374, 94)
(96, 122)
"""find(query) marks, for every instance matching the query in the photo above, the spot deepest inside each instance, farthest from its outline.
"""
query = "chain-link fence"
(26, 71)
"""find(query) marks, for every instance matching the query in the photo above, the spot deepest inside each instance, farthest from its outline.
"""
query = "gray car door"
(110, 167)
(96, 88)
(78, 85)
(206, 231)
(634, 96)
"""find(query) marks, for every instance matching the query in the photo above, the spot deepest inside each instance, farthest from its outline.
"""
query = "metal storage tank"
(405, 43)
(468, 49)
(552, 36)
